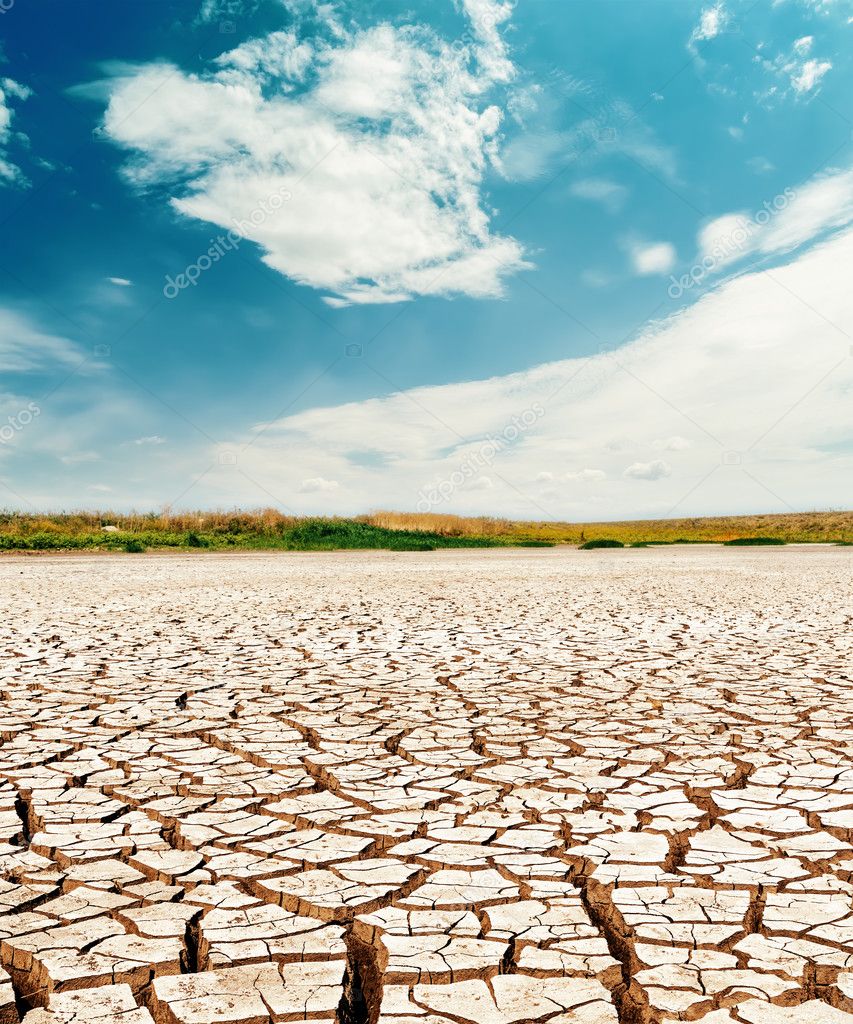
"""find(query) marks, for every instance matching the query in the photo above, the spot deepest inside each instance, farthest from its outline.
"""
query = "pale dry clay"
(485, 787)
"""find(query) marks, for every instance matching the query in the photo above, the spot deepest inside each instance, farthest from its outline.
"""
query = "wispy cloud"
(684, 388)
(610, 194)
(25, 348)
(10, 91)
(781, 224)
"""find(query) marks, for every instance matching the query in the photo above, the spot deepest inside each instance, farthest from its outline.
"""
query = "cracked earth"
(482, 787)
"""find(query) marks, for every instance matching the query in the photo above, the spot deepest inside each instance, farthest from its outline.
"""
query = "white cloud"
(807, 76)
(614, 127)
(655, 470)
(486, 18)
(151, 439)
(10, 174)
(689, 383)
(381, 138)
(76, 458)
(593, 278)
(25, 348)
(712, 21)
(316, 484)
(676, 443)
(804, 44)
(586, 476)
(782, 224)
(481, 483)
(657, 258)
(225, 11)
(122, 282)
(609, 193)
(760, 165)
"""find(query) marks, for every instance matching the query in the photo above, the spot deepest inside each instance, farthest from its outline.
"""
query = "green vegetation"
(396, 531)
(742, 542)
(59, 534)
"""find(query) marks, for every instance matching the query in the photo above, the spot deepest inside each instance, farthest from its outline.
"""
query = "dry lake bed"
(487, 787)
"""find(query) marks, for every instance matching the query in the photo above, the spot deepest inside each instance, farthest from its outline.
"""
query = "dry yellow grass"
(267, 527)
(794, 526)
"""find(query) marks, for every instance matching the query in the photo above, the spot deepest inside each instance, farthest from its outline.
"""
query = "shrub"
(746, 541)
(133, 547)
(604, 542)
(45, 541)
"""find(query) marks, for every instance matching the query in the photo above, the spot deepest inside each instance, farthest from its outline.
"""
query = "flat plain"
(481, 787)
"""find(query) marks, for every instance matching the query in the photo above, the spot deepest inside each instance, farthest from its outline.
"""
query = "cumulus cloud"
(686, 384)
(10, 91)
(655, 470)
(379, 139)
(712, 21)
(657, 258)
(806, 77)
(121, 282)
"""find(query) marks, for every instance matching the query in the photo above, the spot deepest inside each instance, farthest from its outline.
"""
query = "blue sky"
(543, 259)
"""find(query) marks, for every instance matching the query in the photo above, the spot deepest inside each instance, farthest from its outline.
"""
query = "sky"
(544, 259)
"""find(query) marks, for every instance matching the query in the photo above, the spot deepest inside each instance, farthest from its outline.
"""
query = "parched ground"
(483, 787)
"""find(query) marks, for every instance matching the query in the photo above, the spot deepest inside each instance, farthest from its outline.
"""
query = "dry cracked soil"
(482, 787)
